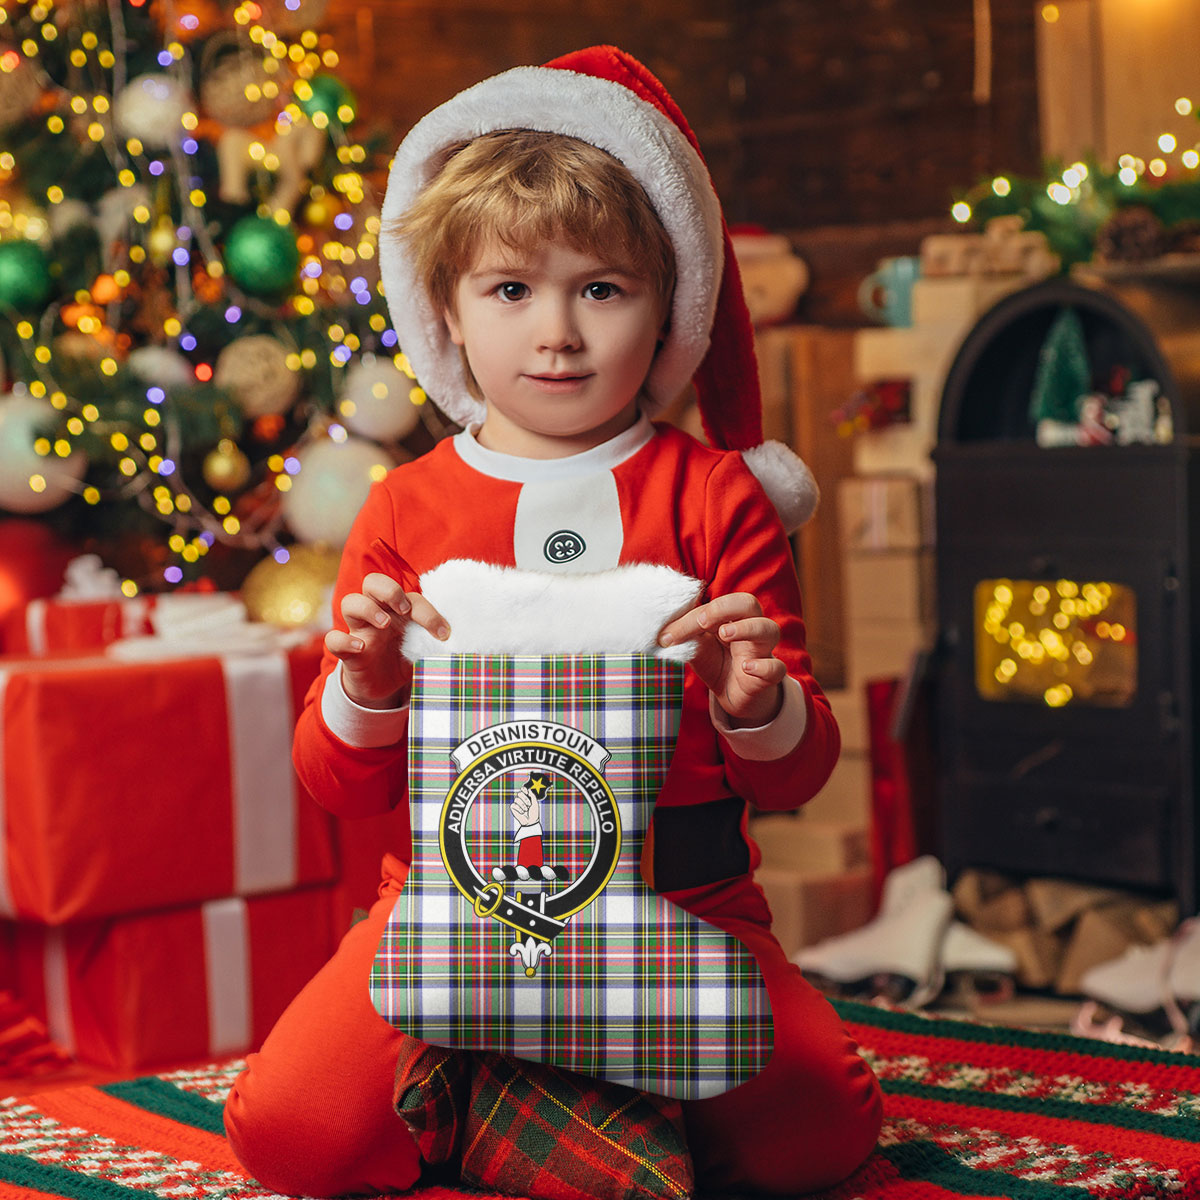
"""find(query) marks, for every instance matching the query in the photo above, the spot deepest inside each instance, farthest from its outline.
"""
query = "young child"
(557, 267)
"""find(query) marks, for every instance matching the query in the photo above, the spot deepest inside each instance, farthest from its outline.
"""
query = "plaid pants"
(572, 961)
(528, 1129)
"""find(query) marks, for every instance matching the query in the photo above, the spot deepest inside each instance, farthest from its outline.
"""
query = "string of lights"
(189, 295)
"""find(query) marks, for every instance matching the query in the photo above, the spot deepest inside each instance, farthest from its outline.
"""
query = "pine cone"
(1132, 234)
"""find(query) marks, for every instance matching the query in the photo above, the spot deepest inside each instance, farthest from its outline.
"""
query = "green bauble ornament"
(262, 255)
(328, 95)
(24, 275)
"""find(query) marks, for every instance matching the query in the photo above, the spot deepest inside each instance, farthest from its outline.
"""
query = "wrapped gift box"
(53, 625)
(184, 985)
(807, 908)
(131, 786)
(885, 512)
(888, 586)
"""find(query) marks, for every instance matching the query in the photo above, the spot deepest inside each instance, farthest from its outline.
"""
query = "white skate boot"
(980, 967)
(1155, 987)
(898, 953)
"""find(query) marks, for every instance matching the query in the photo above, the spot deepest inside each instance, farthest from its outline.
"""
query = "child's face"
(559, 342)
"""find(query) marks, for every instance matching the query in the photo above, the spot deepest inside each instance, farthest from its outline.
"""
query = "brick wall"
(810, 114)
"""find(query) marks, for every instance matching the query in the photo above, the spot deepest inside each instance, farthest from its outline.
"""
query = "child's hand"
(373, 672)
(734, 655)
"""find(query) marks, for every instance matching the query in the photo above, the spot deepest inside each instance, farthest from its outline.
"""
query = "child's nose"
(557, 329)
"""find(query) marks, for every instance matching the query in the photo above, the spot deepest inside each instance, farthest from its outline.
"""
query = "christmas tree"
(196, 354)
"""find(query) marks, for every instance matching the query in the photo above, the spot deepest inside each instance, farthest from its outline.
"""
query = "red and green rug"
(972, 1110)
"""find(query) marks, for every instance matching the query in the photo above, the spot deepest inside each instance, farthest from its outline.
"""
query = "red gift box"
(131, 786)
(52, 625)
(173, 987)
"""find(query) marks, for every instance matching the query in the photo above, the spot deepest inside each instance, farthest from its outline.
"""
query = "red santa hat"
(607, 98)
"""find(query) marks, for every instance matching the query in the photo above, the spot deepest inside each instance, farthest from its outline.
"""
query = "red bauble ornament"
(32, 560)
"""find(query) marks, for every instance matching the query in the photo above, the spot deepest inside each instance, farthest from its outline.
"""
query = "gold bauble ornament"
(318, 213)
(255, 370)
(162, 242)
(226, 468)
(237, 89)
(295, 593)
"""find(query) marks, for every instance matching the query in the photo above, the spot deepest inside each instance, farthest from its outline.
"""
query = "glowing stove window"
(1056, 642)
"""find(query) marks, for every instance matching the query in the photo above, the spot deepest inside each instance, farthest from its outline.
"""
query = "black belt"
(697, 844)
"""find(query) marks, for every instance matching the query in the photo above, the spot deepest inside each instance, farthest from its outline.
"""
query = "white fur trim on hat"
(786, 479)
(604, 114)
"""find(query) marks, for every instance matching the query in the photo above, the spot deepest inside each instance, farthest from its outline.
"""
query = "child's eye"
(601, 291)
(512, 291)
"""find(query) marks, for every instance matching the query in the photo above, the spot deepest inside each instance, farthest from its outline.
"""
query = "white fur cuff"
(766, 743)
(504, 610)
(356, 725)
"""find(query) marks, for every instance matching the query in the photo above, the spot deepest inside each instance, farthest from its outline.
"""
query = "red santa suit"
(313, 1112)
(651, 495)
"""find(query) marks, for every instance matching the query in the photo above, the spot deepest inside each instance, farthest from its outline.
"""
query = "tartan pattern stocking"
(572, 961)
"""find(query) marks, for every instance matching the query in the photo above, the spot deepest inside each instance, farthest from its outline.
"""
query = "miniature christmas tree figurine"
(1063, 376)
(1062, 382)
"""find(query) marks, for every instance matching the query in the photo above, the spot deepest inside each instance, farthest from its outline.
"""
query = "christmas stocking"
(525, 926)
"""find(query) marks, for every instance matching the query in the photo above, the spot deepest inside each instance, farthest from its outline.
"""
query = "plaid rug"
(573, 961)
(971, 1111)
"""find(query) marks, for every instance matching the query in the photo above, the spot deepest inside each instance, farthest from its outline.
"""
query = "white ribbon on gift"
(876, 495)
(35, 626)
(226, 973)
(6, 900)
(258, 696)
(56, 980)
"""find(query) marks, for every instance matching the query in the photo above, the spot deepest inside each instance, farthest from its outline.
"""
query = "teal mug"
(886, 294)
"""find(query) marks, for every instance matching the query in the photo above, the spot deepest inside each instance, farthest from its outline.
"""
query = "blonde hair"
(521, 188)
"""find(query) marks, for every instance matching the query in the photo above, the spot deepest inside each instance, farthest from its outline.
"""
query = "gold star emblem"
(537, 784)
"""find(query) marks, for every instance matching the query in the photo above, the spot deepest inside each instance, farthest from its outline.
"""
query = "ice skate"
(898, 953)
(1154, 989)
(977, 965)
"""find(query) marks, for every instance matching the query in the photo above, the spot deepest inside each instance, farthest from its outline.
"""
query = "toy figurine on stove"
(573, 594)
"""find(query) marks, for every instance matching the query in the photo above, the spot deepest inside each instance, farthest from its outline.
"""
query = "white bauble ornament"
(375, 400)
(114, 216)
(150, 108)
(162, 366)
(330, 488)
(24, 419)
(255, 370)
(79, 348)
(66, 215)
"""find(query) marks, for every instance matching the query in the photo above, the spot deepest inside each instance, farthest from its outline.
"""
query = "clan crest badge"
(563, 768)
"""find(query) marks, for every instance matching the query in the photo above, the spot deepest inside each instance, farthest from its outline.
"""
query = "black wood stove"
(1068, 656)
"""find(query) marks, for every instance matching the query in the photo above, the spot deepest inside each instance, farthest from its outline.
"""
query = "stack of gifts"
(886, 523)
(167, 885)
